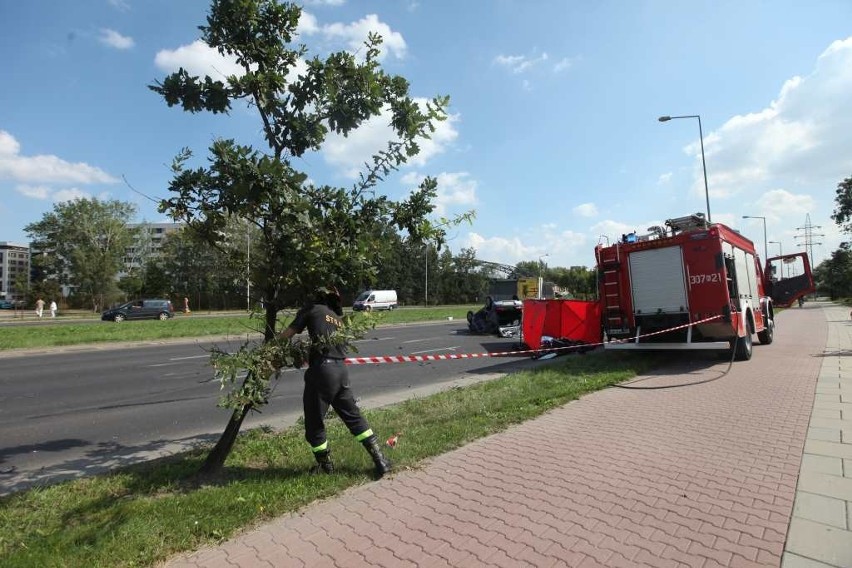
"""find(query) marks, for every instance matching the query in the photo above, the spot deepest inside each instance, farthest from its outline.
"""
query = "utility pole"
(808, 238)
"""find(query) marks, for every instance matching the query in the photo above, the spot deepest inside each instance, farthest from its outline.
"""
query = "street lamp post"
(765, 252)
(703, 162)
(248, 271)
(426, 284)
(541, 275)
(780, 253)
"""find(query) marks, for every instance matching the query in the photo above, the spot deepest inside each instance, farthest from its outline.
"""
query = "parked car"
(6, 305)
(140, 309)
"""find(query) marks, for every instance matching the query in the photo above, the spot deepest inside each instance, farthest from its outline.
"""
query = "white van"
(375, 300)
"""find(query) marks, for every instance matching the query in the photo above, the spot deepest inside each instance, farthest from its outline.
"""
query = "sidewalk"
(702, 474)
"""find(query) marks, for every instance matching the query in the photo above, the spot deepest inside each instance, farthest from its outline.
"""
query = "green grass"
(50, 334)
(145, 514)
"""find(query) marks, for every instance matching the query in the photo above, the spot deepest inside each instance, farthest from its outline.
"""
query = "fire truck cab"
(688, 285)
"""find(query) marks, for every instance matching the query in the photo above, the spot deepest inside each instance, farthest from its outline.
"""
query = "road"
(65, 413)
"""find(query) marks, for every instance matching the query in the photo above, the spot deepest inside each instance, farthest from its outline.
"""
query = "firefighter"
(327, 382)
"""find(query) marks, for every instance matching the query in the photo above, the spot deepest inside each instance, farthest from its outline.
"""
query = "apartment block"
(149, 243)
(14, 264)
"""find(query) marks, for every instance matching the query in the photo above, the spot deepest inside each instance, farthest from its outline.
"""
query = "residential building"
(14, 264)
(149, 243)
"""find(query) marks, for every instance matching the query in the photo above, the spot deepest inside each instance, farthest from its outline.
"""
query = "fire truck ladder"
(613, 313)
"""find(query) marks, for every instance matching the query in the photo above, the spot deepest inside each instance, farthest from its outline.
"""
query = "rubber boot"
(324, 463)
(383, 465)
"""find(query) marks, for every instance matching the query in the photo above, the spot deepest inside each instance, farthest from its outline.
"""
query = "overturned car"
(501, 317)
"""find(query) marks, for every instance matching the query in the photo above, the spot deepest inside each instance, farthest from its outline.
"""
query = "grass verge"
(144, 514)
(49, 334)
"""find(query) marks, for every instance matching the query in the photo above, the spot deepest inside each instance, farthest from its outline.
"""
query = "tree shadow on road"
(98, 458)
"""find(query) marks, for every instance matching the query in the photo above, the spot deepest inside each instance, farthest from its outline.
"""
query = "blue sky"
(553, 138)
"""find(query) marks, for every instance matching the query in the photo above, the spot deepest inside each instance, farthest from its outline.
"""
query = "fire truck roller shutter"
(657, 281)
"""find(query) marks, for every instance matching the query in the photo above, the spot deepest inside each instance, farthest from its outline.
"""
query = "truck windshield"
(363, 296)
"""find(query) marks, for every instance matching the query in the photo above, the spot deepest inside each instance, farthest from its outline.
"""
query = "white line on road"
(425, 339)
(433, 350)
(189, 357)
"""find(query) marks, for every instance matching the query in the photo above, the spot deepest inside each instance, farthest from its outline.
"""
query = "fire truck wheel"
(767, 334)
(743, 347)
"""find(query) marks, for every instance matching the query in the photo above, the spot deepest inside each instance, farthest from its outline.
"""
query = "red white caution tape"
(449, 356)
(415, 358)
(684, 326)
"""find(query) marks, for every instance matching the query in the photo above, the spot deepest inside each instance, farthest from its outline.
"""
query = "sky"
(552, 136)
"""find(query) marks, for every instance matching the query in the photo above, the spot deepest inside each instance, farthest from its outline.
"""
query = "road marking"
(439, 349)
(424, 339)
(179, 360)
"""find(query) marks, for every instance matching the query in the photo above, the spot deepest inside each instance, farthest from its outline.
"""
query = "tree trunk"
(220, 452)
(270, 320)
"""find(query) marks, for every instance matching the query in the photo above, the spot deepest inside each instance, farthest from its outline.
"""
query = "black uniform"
(327, 380)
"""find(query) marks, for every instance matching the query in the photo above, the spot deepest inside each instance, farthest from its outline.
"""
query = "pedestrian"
(185, 305)
(39, 307)
(327, 382)
(53, 309)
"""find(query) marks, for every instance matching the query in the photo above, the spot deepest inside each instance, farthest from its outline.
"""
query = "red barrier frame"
(572, 320)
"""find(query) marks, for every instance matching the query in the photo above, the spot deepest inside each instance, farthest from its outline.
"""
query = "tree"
(843, 210)
(81, 243)
(311, 235)
(834, 275)
(208, 275)
(528, 268)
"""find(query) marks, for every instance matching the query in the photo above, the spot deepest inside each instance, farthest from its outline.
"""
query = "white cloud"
(778, 204)
(614, 229)
(43, 192)
(44, 168)
(586, 210)
(353, 36)
(519, 63)
(34, 191)
(454, 189)
(781, 161)
(564, 64)
(324, 2)
(70, 195)
(8, 145)
(198, 59)
(122, 5)
(500, 249)
(307, 24)
(114, 39)
(562, 247)
(349, 153)
(799, 140)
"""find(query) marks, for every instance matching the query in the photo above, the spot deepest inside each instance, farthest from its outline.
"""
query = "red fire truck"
(686, 285)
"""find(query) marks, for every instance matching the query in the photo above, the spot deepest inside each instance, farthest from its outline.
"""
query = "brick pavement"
(701, 474)
(820, 534)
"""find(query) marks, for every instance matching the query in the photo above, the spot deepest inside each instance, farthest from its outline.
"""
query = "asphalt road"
(65, 413)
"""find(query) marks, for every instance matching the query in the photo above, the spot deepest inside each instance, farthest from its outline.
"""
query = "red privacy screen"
(574, 320)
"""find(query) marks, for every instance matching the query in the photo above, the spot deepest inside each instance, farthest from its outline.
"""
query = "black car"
(140, 309)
